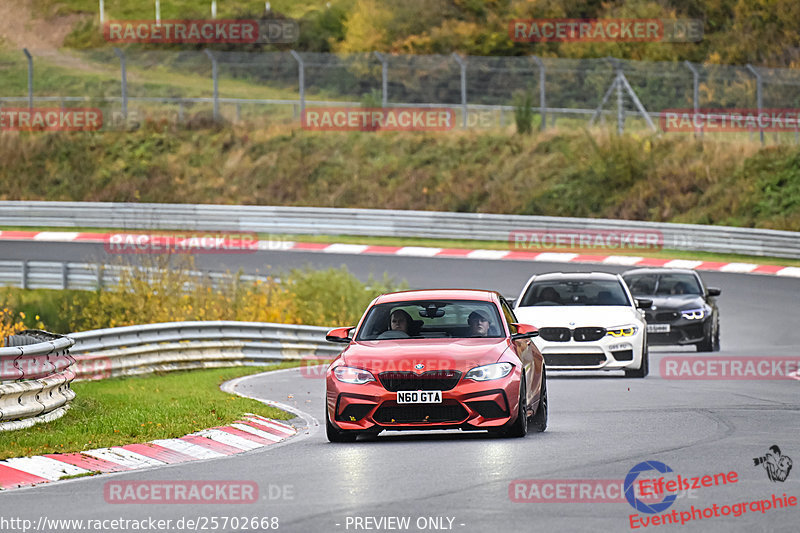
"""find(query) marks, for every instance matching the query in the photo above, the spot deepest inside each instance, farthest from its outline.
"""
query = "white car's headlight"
(489, 372)
(356, 376)
(694, 314)
(623, 331)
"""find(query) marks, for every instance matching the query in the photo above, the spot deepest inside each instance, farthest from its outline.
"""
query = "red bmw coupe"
(436, 359)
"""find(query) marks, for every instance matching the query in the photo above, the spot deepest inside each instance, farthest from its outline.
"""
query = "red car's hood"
(434, 354)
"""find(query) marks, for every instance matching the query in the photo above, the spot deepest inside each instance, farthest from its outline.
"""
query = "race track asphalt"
(601, 426)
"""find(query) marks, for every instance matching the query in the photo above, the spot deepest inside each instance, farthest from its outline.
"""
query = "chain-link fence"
(483, 91)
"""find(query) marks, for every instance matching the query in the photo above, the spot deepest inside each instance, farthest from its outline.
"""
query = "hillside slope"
(558, 173)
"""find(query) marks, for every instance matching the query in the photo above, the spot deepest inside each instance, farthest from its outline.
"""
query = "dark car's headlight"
(694, 314)
(623, 331)
(489, 372)
(356, 376)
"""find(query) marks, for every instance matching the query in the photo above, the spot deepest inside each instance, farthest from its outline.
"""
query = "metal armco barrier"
(187, 345)
(378, 222)
(35, 374)
(36, 378)
(87, 276)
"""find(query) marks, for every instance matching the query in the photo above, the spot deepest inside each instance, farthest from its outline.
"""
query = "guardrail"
(35, 373)
(131, 350)
(37, 376)
(379, 222)
(88, 276)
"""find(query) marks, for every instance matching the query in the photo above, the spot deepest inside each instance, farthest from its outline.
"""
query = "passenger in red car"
(478, 324)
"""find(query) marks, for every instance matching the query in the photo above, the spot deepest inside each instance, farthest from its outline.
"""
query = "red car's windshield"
(431, 319)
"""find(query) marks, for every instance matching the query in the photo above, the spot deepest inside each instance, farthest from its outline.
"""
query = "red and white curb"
(423, 251)
(251, 433)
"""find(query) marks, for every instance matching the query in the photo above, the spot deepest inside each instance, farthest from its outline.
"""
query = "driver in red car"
(400, 321)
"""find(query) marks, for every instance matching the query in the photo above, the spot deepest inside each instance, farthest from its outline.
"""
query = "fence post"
(542, 94)
(758, 98)
(213, 9)
(24, 275)
(463, 65)
(121, 57)
(384, 79)
(620, 100)
(301, 77)
(158, 12)
(216, 82)
(695, 91)
(30, 77)
(102, 16)
(64, 276)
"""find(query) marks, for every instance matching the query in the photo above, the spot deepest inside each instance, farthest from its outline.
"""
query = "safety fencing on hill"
(38, 366)
(480, 88)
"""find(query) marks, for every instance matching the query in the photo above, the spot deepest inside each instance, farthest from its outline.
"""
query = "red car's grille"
(431, 380)
(420, 413)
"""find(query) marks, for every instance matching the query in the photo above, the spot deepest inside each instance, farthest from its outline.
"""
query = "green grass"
(127, 410)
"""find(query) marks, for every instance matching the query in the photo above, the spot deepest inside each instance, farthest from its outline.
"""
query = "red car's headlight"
(356, 376)
(489, 372)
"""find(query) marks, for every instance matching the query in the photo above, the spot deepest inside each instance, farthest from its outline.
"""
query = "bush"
(168, 289)
(333, 296)
(523, 112)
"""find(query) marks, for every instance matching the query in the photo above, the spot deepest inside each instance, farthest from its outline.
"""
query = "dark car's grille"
(667, 316)
(430, 380)
(555, 334)
(588, 334)
(574, 359)
(420, 413)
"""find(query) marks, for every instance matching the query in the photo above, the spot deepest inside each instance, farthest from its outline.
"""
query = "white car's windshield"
(431, 319)
(575, 292)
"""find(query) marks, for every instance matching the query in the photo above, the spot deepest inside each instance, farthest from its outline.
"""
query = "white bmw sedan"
(586, 321)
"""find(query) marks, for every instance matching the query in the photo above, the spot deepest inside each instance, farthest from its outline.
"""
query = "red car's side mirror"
(339, 335)
(525, 331)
